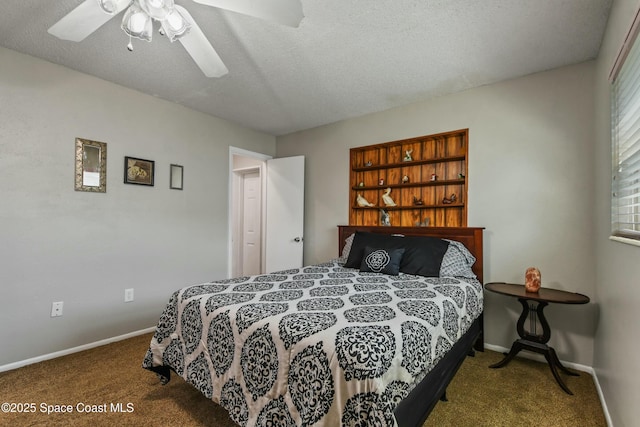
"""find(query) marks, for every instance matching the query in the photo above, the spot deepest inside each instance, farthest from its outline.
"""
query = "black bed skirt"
(413, 410)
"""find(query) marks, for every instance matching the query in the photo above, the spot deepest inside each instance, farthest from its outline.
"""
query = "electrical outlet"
(56, 309)
(128, 295)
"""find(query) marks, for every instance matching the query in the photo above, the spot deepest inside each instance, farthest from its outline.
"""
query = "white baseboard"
(576, 366)
(21, 363)
(607, 416)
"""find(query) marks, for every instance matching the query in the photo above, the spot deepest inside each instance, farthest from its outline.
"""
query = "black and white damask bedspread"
(322, 345)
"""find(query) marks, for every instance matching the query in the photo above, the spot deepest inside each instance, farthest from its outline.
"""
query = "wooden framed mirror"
(91, 166)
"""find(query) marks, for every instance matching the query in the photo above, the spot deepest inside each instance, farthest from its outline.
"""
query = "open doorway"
(246, 212)
(266, 213)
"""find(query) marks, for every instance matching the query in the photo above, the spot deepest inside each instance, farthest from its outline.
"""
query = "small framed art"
(176, 174)
(138, 171)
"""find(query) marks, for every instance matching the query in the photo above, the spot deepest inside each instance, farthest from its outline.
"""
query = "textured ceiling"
(347, 58)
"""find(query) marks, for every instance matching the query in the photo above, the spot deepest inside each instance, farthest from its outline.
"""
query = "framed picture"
(91, 166)
(138, 171)
(175, 177)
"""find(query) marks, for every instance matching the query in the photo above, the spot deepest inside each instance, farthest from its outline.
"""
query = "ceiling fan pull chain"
(130, 45)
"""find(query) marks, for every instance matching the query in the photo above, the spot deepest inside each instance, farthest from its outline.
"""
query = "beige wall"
(85, 249)
(618, 267)
(531, 185)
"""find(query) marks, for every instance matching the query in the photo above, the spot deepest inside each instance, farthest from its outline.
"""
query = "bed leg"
(444, 397)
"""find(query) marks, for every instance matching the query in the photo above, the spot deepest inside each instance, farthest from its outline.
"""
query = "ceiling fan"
(175, 22)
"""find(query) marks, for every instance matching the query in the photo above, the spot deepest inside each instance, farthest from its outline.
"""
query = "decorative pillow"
(422, 256)
(348, 242)
(362, 239)
(457, 261)
(380, 260)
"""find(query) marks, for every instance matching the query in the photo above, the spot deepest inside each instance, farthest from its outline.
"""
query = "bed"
(370, 338)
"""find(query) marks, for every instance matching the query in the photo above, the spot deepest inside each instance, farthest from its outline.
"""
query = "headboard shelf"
(425, 177)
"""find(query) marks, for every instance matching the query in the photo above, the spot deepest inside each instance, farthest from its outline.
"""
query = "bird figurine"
(417, 202)
(405, 179)
(407, 155)
(450, 200)
(362, 202)
(384, 218)
(386, 198)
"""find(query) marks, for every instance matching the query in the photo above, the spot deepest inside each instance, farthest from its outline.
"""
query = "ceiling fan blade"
(204, 55)
(84, 20)
(286, 12)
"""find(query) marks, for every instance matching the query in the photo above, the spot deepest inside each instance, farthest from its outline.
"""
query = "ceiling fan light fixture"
(157, 3)
(113, 7)
(175, 25)
(175, 21)
(157, 9)
(136, 23)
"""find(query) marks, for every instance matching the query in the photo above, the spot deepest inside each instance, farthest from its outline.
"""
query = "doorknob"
(298, 239)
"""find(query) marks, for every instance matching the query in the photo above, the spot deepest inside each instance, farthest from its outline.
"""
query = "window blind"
(625, 129)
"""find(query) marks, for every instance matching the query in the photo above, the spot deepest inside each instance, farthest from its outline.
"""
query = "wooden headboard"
(471, 237)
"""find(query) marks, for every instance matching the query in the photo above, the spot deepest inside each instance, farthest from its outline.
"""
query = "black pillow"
(362, 239)
(380, 260)
(422, 256)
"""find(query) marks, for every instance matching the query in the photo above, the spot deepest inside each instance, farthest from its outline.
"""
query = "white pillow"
(457, 261)
(348, 242)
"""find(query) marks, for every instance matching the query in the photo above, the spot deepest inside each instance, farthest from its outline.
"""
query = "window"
(625, 137)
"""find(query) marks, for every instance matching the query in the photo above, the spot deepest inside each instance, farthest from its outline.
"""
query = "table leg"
(554, 363)
(536, 343)
(560, 365)
(515, 349)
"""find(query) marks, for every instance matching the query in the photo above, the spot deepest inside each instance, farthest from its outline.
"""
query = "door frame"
(232, 181)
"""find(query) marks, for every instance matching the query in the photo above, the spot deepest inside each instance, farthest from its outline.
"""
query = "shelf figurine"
(424, 223)
(384, 218)
(417, 202)
(407, 156)
(450, 200)
(461, 175)
(386, 198)
(381, 181)
(434, 177)
(361, 184)
(405, 179)
(368, 163)
(362, 202)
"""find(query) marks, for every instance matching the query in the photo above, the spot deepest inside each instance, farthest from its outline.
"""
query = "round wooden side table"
(533, 305)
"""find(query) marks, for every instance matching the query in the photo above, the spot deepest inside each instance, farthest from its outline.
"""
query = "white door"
(251, 224)
(284, 213)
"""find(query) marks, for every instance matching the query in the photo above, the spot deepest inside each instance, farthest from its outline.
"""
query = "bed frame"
(413, 410)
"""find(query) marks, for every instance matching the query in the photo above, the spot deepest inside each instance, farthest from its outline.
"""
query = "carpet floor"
(106, 386)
